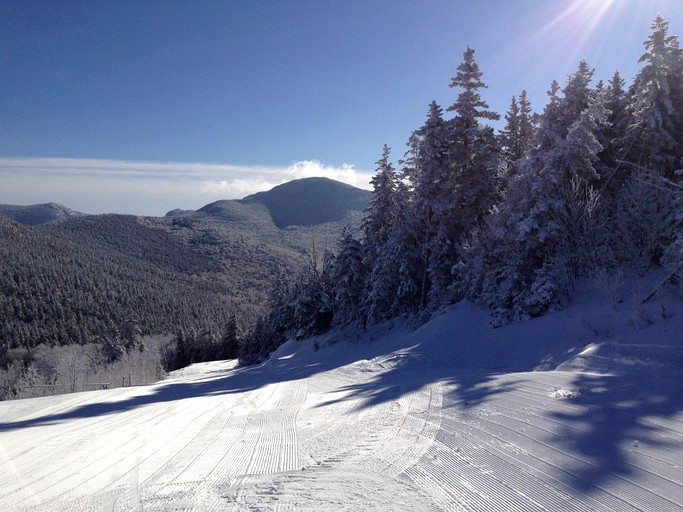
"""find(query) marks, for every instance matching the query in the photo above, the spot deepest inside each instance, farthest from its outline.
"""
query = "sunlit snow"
(579, 410)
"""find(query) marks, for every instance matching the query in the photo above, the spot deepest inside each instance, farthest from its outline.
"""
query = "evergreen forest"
(592, 185)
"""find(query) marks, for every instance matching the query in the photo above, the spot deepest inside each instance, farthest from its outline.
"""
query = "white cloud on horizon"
(149, 188)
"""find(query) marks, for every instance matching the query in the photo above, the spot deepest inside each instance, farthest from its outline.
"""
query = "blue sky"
(144, 106)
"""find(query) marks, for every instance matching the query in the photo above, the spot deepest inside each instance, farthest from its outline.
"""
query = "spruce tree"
(549, 132)
(380, 213)
(546, 228)
(393, 276)
(230, 339)
(516, 138)
(427, 168)
(510, 134)
(610, 135)
(380, 219)
(473, 182)
(348, 278)
(577, 94)
(655, 134)
(527, 129)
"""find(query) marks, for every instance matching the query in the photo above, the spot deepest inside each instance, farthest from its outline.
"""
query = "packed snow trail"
(396, 420)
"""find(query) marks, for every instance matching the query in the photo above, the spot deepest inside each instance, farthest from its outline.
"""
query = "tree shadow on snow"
(237, 381)
(611, 420)
(463, 387)
(389, 384)
(613, 416)
(212, 383)
(618, 417)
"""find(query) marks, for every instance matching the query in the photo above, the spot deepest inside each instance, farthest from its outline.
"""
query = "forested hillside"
(110, 281)
(591, 186)
(72, 282)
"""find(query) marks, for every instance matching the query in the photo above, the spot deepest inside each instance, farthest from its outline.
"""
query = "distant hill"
(179, 213)
(87, 277)
(35, 214)
(310, 201)
(235, 211)
(304, 202)
(81, 279)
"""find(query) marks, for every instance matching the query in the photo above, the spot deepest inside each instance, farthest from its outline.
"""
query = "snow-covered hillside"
(579, 410)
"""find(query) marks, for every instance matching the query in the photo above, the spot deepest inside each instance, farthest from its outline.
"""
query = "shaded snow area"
(578, 410)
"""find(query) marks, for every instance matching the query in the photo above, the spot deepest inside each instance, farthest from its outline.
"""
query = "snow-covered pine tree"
(545, 227)
(311, 298)
(560, 113)
(380, 217)
(578, 159)
(474, 155)
(230, 337)
(549, 133)
(380, 213)
(269, 331)
(613, 173)
(473, 182)
(655, 134)
(426, 169)
(516, 138)
(576, 96)
(610, 136)
(396, 289)
(527, 129)
(510, 134)
(652, 151)
(348, 276)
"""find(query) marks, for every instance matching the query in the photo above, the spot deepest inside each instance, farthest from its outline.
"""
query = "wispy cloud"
(148, 188)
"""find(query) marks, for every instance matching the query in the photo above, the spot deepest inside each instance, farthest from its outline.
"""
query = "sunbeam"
(572, 29)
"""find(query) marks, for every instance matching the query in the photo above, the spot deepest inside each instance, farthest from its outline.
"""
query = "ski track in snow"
(374, 434)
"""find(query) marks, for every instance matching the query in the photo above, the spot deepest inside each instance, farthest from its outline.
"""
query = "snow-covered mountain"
(37, 213)
(310, 201)
(578, 410)
(303, 202)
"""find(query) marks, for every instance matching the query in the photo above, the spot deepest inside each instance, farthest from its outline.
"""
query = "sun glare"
(554, 36)
(577, 23)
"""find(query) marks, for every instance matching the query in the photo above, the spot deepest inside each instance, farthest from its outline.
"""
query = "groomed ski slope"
(580, 410)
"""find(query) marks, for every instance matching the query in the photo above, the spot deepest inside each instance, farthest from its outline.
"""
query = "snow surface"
(579, 410)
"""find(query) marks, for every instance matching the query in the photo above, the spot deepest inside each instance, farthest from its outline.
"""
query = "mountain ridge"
(326, 200)
(34, 214)
(302, 202)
